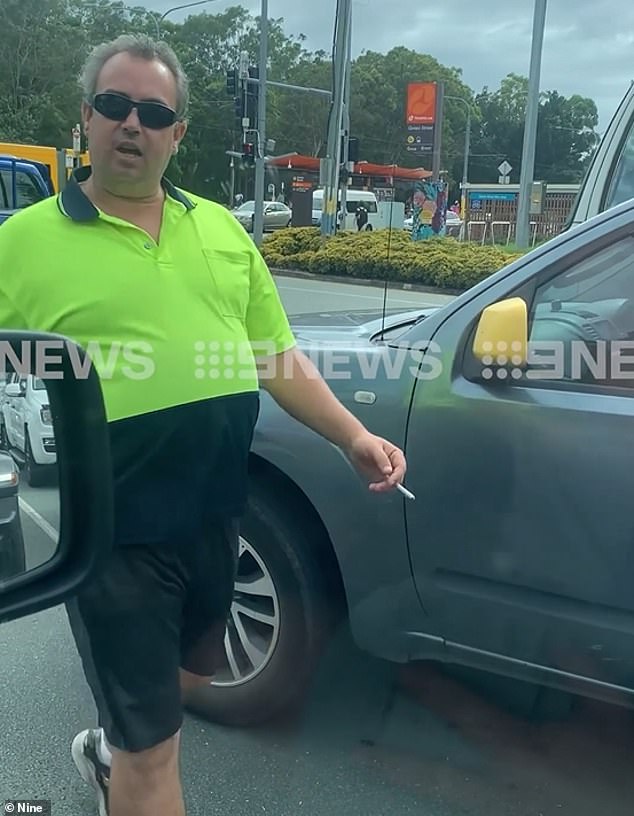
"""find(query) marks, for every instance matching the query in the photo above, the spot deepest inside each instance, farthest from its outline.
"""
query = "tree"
(40, 97)
(566, 133)
(379, 97)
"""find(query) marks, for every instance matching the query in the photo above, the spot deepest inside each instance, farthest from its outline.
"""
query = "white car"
(27, 427)
(276, 215)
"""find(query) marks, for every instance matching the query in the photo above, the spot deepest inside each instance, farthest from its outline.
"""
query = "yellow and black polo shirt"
(173, 328)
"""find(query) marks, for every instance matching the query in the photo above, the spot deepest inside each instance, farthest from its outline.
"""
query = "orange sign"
(421, 103)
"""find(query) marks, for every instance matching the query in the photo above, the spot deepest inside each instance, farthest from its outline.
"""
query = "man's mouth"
(129, 150)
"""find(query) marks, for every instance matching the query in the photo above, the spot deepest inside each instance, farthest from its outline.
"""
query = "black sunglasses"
(152, 115)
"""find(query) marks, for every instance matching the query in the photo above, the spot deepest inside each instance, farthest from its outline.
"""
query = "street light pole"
(346, 128)
(260, 151)
(467, 150)
(159, 20)
(333, 161)
(530, 127)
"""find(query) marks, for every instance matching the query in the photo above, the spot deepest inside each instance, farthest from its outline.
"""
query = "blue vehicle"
(22, 183)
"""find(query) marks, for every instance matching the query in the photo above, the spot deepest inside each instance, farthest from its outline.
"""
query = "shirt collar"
(75, 204)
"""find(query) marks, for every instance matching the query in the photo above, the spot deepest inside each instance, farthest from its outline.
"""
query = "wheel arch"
(270, 478)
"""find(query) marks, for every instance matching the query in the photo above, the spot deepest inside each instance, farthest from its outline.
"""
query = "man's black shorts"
(162, 601)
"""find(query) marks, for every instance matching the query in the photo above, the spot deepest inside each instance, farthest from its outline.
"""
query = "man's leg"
(190, 682)
(147, 783)
(127, 629)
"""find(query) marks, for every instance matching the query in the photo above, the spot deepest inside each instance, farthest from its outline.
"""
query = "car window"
(582, 321)
(5, 189)
(27, 191)
(622, 185)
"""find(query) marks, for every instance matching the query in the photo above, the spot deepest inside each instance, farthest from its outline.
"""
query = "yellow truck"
(59, 162)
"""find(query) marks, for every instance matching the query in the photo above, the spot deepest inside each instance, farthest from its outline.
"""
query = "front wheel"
(4, 439)
(35, 474)
(277, 624)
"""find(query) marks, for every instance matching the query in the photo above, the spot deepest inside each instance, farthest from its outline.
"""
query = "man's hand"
(378, 460)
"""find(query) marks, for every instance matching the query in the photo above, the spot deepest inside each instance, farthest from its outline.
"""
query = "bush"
(381, 254)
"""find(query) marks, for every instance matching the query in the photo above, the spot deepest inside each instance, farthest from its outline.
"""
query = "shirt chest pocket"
(230, 275)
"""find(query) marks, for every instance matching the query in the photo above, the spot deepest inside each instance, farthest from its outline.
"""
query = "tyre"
(35, 474)
(4, 439)
(12, 555)
(281, 614)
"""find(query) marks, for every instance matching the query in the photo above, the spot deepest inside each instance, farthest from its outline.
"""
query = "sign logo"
(421, 103)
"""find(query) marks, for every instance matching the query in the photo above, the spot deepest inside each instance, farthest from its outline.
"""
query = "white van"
(353, 199)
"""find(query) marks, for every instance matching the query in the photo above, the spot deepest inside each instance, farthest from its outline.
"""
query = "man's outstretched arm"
(297, 387)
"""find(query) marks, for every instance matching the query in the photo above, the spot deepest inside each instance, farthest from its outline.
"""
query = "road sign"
(505, 168)
(504, 179)
(486, 196)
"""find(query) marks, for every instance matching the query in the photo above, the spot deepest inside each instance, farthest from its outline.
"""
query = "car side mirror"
(49, 549)
(501, 336)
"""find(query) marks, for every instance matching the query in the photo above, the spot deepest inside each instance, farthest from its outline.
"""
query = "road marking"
(41, 522)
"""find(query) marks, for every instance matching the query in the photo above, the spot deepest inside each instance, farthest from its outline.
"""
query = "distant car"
(12, 557)
(276, 215)
(27, 428)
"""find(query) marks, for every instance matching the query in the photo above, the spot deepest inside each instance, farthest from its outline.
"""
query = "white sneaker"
(92, 770)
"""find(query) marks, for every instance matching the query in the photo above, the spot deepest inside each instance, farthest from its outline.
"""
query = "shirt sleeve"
(267, 324)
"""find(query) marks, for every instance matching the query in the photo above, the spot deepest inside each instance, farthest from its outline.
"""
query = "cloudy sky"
(588, 47)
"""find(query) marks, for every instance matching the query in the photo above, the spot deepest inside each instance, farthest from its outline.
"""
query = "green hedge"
(440, 262)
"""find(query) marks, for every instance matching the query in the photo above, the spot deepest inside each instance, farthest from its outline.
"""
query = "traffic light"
(232, 82)
(239, 109)
(252, 96)
(353, 149)
(248, 153)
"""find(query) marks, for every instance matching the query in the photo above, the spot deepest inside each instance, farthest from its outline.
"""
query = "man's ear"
(86, 116)
(179, 134)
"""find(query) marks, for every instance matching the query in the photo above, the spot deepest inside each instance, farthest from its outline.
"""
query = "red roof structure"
(311, 164)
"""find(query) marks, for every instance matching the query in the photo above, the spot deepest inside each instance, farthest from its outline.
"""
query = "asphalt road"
(310, 295)
(373, 740)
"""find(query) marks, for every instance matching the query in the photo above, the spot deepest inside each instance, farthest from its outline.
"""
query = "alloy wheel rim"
(253, 626)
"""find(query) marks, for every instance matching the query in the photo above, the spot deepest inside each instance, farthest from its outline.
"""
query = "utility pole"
(530, 127)
(465, 166)
(346, 125)
(437, 154)
(260, 148)
(343, 23)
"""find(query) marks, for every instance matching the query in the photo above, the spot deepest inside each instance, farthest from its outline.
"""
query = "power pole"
(260, 148)
(333, 161)
(346, 125)
(530, 127)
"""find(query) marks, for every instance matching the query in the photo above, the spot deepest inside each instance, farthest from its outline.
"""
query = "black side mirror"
(46, 554)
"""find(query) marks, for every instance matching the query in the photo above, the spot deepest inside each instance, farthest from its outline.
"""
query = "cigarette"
(405, 492)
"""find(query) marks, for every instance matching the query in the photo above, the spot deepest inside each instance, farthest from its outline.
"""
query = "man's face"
(128, 158)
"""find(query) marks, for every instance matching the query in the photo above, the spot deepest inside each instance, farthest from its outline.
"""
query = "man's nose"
(132, 123)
